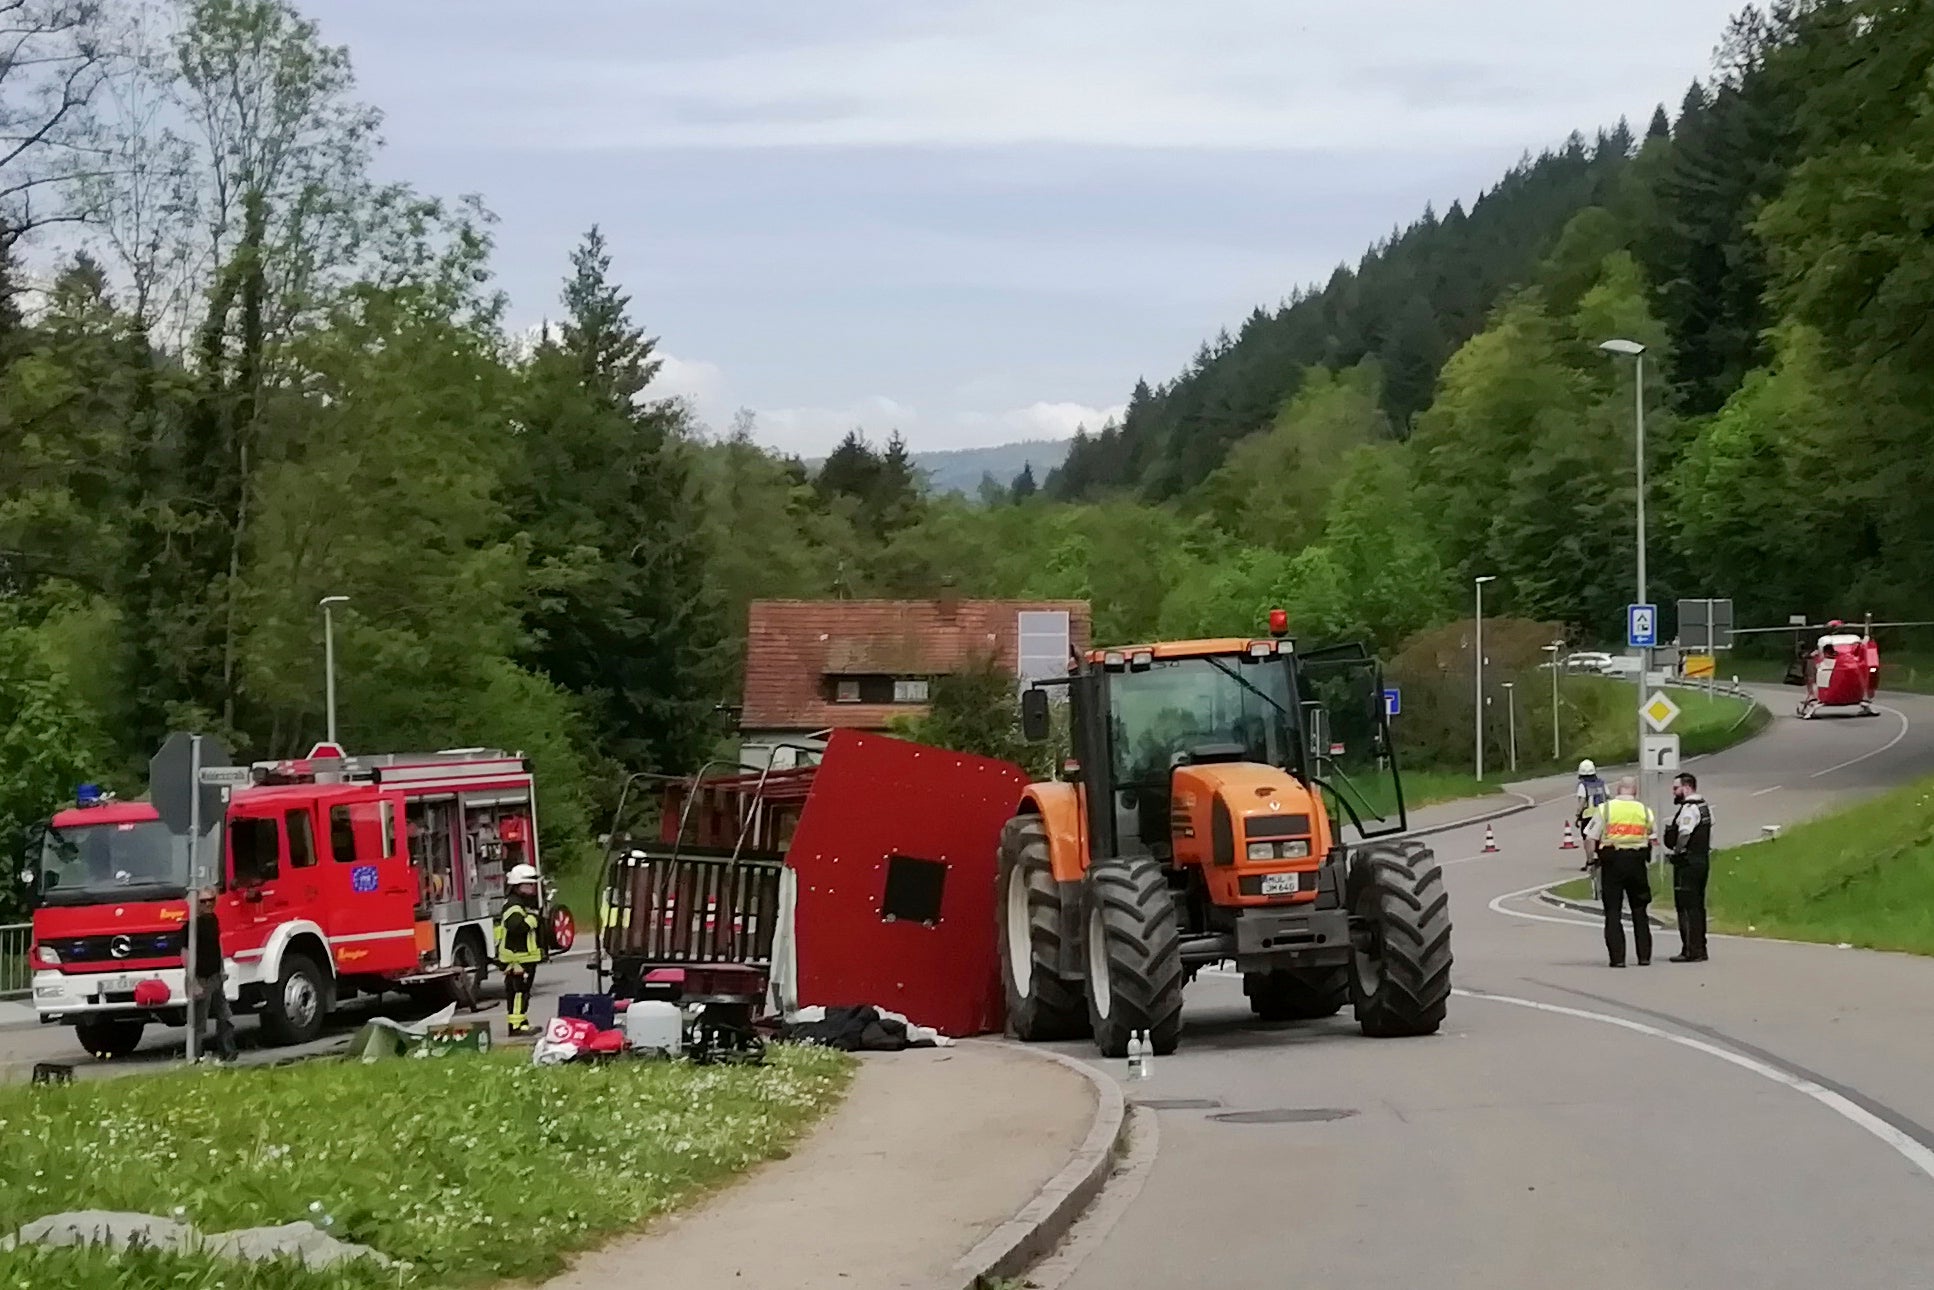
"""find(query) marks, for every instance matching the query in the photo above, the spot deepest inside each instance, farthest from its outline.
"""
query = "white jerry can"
(654, 1026)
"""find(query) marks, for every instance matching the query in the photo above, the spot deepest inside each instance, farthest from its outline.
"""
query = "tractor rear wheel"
(1041, 1005)
(1401, 959)
(1134, 956)
(1297, 994)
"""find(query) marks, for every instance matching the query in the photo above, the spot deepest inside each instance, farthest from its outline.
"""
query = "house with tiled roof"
(815, 666)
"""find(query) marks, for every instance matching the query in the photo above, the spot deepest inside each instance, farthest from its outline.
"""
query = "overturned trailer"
(866, 879)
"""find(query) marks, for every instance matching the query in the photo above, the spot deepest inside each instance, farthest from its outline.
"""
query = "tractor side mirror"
(1035, 725)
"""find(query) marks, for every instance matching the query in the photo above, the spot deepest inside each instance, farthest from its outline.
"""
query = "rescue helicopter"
(1840, 667)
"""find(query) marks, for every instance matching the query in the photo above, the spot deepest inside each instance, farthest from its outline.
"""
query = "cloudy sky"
(977, 220)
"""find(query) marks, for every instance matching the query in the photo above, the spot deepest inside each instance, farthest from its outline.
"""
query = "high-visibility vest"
(532, 950)
(1625, 825)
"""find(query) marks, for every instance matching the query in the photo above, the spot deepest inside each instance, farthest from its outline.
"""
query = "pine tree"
(1661, 127)
(628, 620)
(1024, 487)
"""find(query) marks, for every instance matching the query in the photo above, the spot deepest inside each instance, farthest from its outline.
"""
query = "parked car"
(1590, 661)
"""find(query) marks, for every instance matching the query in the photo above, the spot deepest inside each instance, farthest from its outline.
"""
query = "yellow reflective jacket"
(517, 935)
(1625, 825)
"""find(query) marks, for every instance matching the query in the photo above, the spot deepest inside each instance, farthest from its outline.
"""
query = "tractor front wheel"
(1134, 956)
(1401, 958)
(1041, 1005)
(1297, 994)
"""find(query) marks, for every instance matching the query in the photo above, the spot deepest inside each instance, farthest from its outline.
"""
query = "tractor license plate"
(1279, 884)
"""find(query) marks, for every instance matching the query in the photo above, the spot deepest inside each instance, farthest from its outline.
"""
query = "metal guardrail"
(16, 972)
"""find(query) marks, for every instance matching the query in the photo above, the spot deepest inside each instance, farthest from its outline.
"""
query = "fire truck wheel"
(1297, 994)
(468, 954)
(1134, 956)
(560, 929)
(1400, 932)
(109, 1037)
(1041, 1005)
(294, 1010)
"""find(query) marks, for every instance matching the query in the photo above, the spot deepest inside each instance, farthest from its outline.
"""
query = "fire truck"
(337, 876)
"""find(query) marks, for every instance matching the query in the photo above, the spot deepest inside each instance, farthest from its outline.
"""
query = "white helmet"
(1586, 767)
(521, 875)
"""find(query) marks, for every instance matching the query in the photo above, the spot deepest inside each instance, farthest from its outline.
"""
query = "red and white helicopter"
(1840, 666)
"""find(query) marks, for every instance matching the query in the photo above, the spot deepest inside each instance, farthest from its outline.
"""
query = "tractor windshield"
(1180, 704)
(1342, 695)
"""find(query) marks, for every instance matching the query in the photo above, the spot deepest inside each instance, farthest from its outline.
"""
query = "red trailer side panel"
(896, 863)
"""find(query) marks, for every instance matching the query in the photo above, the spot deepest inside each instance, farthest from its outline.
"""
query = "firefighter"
(519, 946)
(1622, 831)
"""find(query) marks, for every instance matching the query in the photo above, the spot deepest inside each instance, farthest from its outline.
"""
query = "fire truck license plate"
(117, 984)
(1279, 884)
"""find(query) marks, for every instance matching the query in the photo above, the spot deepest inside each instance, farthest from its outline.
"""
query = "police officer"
(1621, 830)
(519, 947)
(1689, 840)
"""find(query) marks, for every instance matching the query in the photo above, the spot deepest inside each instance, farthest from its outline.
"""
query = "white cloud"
(1225, 74)
(813, 431)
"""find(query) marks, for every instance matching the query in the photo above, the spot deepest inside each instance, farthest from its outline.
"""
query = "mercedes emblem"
(120, 947)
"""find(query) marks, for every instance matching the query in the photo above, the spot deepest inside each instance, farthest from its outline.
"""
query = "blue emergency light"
(88, 795)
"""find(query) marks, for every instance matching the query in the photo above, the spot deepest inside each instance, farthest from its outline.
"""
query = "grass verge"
(1863, 876)
(472, 1171)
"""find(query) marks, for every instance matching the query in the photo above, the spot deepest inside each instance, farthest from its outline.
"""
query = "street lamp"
(1478, 719)
(1511, 720)
(327, 604)
(1555, 649)
(1636, 352)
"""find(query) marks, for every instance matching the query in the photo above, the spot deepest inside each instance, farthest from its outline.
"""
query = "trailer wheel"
(106, 1038)
(298, 1002)
(1134, 956)
(1041, 1005)
(1297, 994)
(1401, 957)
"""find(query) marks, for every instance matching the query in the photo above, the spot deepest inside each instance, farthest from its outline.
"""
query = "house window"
(910, 691)
(846, 692)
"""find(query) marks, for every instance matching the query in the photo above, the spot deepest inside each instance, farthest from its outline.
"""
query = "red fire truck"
(337, 876)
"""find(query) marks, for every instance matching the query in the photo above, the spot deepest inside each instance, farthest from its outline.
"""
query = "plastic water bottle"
(1138, 1055)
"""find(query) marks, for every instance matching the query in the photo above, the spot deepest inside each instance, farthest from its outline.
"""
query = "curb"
(1556, 901)
(1012, 1247)
(1524, 803)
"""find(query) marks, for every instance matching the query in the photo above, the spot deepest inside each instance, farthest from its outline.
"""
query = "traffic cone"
(1571, 839)
(1490, 841)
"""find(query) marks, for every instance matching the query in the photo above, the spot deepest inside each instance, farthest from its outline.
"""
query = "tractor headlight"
(1262, 850)
(1295, 851)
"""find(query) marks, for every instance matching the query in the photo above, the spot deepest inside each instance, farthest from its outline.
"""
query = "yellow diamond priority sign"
(1659, 711)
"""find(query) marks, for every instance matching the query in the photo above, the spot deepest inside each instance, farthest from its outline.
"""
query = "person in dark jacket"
(1689, 840)
(209, 992)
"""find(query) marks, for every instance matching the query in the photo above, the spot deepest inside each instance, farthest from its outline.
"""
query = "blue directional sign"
(1392, 701)
(1642, 626)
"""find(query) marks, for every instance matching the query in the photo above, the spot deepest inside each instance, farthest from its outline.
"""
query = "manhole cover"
(1286, 1115)
(1178, 1103)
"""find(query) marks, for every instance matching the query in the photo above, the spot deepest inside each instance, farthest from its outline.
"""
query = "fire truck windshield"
(140, 860)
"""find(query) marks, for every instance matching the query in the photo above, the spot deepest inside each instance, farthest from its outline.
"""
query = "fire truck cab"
(336, 876)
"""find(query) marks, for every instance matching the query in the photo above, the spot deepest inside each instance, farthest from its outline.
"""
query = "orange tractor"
(1197, 823)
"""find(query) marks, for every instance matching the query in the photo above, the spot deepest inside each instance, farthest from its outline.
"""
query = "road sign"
(1392, 702)
(1642, 626)
(1659, 711)
(1706, 625)
(1661, 752)
(171, 782)
(1697, 665)
(230, 777)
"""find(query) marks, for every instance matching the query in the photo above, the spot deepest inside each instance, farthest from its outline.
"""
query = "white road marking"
(1764, 791)
(1854, 761)
(1915, 1154)
(1497, 907)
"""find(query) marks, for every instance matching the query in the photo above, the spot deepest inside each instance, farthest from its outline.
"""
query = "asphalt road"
(1758, 1120)
(21, 1046)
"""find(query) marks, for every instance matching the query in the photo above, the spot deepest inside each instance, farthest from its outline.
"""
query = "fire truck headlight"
(46, 956)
